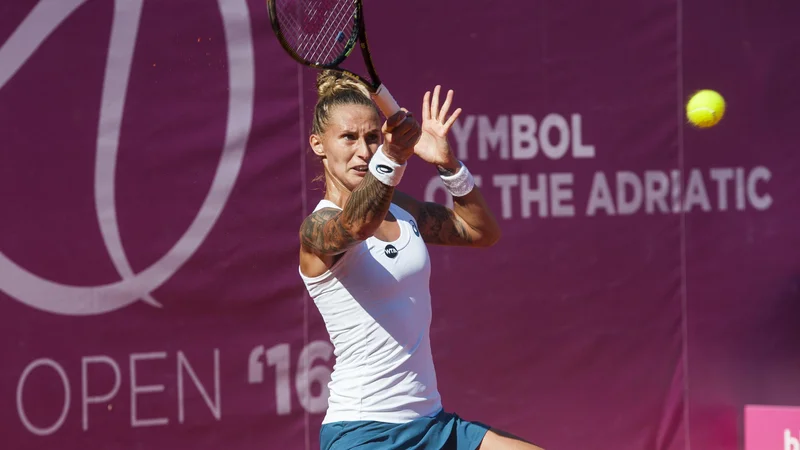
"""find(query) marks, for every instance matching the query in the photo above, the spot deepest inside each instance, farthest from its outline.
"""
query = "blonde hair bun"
(331, 82)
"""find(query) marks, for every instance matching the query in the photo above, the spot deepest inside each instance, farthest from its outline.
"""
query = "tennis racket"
(322, 34)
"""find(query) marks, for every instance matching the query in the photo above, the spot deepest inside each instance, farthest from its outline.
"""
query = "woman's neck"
(336, 192)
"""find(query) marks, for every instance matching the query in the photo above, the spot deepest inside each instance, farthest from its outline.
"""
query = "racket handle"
(385, 101)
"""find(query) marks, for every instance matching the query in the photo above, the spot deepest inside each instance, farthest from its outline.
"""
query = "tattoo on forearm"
(369, 202)
(330, 231)
(439, 225)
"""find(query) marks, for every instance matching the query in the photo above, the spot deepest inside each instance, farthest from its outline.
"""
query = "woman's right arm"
(330, 231)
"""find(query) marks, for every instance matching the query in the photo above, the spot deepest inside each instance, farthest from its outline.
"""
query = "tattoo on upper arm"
(331, 231)
(322, 232)
(439, 225)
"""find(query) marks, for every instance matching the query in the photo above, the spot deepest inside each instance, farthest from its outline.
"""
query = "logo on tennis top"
(382, 168)
(414, 227)
(80, 300)
(390, 251)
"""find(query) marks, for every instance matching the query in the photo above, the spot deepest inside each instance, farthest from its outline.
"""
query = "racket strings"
(317, 30)
(334, 42)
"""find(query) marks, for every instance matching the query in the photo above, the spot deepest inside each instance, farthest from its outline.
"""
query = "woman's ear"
(316, 145)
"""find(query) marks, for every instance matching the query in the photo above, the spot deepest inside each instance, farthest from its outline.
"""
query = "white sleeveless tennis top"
(376, 304)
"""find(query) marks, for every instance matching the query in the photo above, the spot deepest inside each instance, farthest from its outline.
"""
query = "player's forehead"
(354, 117)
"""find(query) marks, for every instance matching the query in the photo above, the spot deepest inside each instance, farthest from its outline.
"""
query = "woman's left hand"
(433, 146)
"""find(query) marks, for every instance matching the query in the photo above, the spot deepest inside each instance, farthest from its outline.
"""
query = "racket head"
(317, 33)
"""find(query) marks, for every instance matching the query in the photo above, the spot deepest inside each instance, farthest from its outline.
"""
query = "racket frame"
(380, 94)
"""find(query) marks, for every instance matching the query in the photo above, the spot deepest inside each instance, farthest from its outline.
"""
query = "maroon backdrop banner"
(155, 170)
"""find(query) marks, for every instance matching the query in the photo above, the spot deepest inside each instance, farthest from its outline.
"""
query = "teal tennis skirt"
(442, 431)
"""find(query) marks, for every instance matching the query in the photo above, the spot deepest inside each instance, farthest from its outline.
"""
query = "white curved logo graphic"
(65, 299)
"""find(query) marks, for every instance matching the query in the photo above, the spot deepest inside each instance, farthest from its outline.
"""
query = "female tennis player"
(364, 261)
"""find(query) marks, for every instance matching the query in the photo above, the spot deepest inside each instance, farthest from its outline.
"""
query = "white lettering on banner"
(600, 196)
(58, 298)
(561, 195)
(461, 134)
(214, 406)
(633, 191)
(21, 403)
(308, 374)
(146, 375)
(696, 193)
(628, 182)
(579, 149)
(551, 193)
(520, 137)
(722, 176)
(759, 174)
(86, 400)
(150, 376)
(657, 184)
(622, 193)
(523, 133)
(149, 389)
(492, 137)
(790, 442)
(559, 149)
(278, 357)
(537, 194)
(505, 183)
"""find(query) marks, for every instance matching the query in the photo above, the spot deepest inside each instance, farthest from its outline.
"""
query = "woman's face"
(351, 137)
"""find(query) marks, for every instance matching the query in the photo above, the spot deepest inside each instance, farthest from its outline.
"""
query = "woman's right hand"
(401, 133)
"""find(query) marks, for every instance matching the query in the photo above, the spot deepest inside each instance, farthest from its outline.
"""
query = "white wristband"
(385, 170)
(459, 184)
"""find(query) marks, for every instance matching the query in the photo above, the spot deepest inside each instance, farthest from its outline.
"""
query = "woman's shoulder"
(324, 208)
(325, 204)
(323, 211)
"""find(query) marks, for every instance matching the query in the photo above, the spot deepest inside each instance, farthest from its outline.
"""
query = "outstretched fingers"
(431, 110)
(446, 106)
(435, 102)
(452, 119)
(426, 106)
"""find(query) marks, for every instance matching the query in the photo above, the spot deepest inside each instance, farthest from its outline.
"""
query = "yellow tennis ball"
(705, 109)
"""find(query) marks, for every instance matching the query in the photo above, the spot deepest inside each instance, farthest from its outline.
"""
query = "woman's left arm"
(470, 222)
